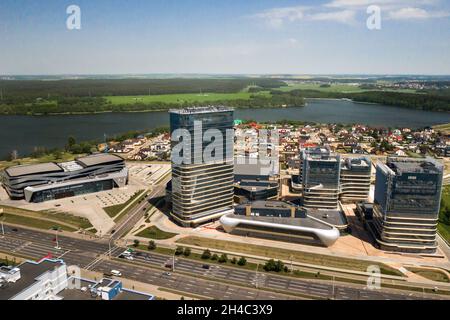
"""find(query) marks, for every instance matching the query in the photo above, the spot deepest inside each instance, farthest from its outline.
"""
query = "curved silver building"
(50, 181)
(298, 230)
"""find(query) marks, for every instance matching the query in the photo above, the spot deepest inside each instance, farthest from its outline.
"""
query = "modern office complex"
(320, 176)
(50, 181)
(202, 189)
(407, 202)
(352, 184)
(355, 179)
(280, 221)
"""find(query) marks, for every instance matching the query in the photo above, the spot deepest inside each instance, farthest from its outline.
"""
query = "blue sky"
(211, 36)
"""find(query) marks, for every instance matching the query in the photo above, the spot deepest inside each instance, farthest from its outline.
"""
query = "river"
(24, 133)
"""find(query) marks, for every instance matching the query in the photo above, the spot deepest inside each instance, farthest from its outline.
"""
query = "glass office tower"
(202, 176)
(407, 202)
(320, 178)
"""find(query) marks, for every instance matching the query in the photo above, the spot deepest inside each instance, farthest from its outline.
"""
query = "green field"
(431, 274)
(154, 233)
(336, 88)
(182, 98)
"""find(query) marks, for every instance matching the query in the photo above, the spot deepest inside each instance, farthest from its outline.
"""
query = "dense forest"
(29, 90)
(34, 97)
(429, 102)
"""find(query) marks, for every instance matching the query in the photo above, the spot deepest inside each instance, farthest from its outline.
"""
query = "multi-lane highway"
(217, 282)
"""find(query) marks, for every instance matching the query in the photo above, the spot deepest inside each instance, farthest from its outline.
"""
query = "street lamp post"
(333, 293)
(3, 229)
(56, 239)
(173, 262)
(256, 276)
(109, 245)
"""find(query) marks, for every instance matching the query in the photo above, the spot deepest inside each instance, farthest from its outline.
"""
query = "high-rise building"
(355, 179)
(407, 202)
(202, 187)
(320, 174)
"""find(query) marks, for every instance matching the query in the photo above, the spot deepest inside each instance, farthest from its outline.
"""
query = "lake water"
(23, 133)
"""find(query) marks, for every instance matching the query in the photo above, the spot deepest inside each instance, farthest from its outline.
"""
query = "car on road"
(15, 229)
(206, 266)
(129, 258)
(116, 273)
(167, 274)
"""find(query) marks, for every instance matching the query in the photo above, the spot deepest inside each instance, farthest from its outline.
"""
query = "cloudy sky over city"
(238, 37)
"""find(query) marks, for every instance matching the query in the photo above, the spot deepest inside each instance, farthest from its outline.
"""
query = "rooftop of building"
(98, 159)
(282, 221)
(350, 163)
(411, 165)
(29, 272)
(51, 167)
(84, 291)
(199, 110)
(40, 168)
(319, 154)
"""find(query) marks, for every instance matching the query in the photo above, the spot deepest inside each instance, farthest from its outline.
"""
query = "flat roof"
(40, 168)
(198, 110)
(77, 294)
(333, 217)
(97, 159)
(29, 271)
(408, 165)
(295, 222)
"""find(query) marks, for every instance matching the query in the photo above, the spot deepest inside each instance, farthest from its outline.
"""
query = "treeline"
(21, 91)
(75, 105)
(428, 102)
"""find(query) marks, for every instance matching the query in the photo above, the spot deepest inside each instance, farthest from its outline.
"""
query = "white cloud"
(416, 13)
(277, 17)
(386, 4)
(344, 16)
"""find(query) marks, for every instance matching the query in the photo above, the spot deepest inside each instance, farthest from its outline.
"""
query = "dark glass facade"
(72, 190)
(202, 189)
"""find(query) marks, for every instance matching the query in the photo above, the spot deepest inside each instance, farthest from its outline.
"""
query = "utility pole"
(3, 230)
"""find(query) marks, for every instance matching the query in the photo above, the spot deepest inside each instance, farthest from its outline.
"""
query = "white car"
(116, 273)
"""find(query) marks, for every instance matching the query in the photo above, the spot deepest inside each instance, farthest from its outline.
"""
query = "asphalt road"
(136, 213)
(91, 255)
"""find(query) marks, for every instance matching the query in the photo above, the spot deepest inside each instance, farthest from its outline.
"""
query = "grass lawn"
(181, 98)
(34, 223)
(154, 233)
(342, 88)
(434, 275)
(285, 254)
(59, 218)
(113, 211)
(445, 128)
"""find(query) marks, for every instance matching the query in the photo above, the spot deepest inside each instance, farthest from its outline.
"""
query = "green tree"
(179, 251)
(151, 245)
(223, 258)
(187, 252)
(215, 257)
(206, 254)
(242, 261)
(136, 243)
